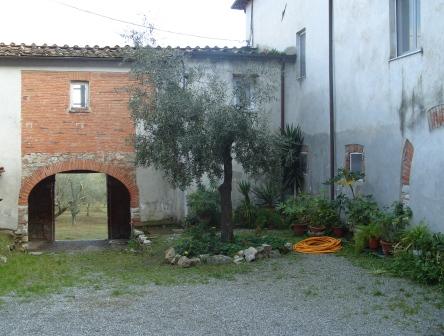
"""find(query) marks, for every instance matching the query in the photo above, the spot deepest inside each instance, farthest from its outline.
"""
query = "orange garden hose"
(315, 245)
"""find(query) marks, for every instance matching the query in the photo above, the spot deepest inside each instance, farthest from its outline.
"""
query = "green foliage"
(267, 194)
(289, 143)
(420, 255)
(346, 178)
(245, 213)
(361, 210)
(204, 240)
(204, 203)
(394, 221)
(324, 213)
(190, 126)
(268, 218)
(297, 210)
(365, 232)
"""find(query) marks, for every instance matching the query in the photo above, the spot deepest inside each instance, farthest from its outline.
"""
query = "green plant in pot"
(323, 216)
(297, 212)
(361, 211)
(393, 224)
(339, 227)
(367, 235)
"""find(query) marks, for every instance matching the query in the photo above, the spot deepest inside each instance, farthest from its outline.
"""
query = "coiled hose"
(316, 245)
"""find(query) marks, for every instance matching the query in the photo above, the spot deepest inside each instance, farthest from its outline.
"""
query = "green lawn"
(89, 227)
(28, 275)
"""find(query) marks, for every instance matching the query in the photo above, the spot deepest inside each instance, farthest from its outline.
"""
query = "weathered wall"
(379, 102)
(306, 99)
(10, 145)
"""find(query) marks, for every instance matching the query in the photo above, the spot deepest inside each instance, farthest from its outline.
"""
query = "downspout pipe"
(332, 101)
(282, 94)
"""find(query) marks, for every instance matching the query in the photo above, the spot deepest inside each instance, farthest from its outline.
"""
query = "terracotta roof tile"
(117, 52)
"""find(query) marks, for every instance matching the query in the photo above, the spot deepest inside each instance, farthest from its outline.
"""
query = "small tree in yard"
(189, 125)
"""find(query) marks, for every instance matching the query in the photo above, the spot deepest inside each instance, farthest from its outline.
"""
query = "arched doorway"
(41, 217)
(36, 199)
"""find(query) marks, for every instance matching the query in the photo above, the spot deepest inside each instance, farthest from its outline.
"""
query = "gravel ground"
(296, 295)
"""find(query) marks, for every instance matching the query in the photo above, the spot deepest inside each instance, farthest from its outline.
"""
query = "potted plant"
(393, 224)
(360, 211)
(297, 212)
(204, 203)
(367, 235)
(323, 215)
(339, 227)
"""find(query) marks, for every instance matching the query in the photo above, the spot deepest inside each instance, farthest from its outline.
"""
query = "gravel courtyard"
(295, 295)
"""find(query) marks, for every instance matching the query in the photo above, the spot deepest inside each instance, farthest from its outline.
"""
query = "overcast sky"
(52, 22)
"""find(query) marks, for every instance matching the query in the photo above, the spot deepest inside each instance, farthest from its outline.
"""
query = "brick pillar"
(135, 217)
(406, 166)
(21, 234)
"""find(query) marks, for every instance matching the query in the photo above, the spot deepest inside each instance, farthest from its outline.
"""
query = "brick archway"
(87, 165)
(121, 173)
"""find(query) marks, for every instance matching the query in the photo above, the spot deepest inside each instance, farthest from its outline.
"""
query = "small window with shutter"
(356, 163)
(79, 96)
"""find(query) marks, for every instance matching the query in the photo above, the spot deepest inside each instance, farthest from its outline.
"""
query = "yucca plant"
(289, 144)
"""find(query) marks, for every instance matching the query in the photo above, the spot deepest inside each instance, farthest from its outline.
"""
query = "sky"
(55, 22)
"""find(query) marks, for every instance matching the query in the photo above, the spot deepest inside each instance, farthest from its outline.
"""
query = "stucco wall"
(306, 100)
(10, 145)
(379, 103)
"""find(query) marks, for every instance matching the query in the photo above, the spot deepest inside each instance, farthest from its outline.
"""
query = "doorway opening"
(80, 207)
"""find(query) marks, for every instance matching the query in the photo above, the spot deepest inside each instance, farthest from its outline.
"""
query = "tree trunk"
(225, 199)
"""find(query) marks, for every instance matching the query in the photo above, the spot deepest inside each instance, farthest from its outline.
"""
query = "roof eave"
(239, 4)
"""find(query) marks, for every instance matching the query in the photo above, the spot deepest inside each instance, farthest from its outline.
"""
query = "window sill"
(410, 53)
(301, 78)
(79, 110)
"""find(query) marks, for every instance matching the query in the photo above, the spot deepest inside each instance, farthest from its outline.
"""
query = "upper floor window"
(408, 25)
(243, 90)
(79, 95)
(300, 45)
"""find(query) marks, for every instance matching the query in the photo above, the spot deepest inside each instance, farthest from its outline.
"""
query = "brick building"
(65, 109)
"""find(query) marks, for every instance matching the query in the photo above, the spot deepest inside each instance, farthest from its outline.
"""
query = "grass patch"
(26, 275)
(90, 227)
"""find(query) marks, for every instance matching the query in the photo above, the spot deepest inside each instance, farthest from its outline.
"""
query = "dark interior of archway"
(107, 216)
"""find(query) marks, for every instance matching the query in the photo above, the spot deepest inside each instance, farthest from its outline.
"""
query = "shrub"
(245, 213)
(204, 203)
(268, 218)
(324, 213)
(297, 210)
(267, 195)
(420, 255)
(361, 210)
(394, 222)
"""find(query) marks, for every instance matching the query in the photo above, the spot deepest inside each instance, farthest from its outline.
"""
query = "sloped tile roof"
(23, 51)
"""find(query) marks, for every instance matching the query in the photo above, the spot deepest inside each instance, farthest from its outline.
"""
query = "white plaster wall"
(306, 100)
(10, 145)
(378, 103)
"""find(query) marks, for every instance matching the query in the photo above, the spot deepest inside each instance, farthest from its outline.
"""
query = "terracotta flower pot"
(373, 244)
(316, 230)
(299, 229)
(338, 231)
(387, 247)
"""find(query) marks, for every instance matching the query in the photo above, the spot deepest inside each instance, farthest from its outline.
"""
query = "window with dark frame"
(407, 25)
(356, 163)
(79, 96)
(243, 86)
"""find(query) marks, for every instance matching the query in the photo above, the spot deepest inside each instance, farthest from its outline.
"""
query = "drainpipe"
(331, 93)
(283, 94)
(251, 25)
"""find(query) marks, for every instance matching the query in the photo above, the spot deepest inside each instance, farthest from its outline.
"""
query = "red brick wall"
(406, 164)
(49, 127)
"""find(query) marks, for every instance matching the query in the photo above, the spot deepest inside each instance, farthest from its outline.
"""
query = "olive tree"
(191, 123)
